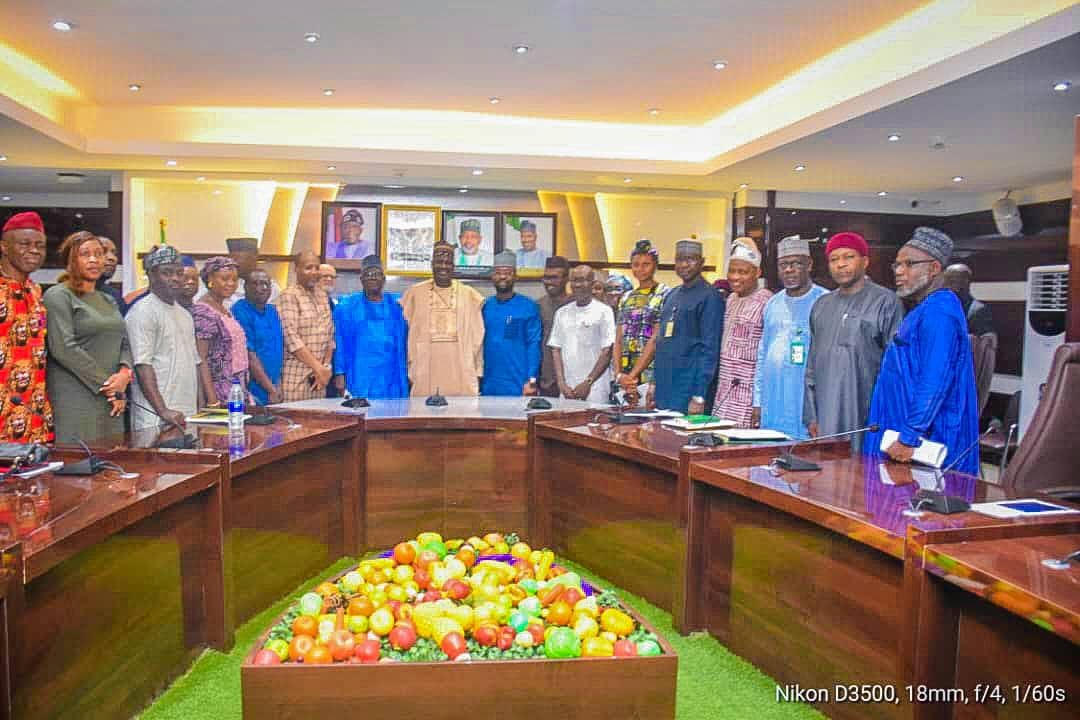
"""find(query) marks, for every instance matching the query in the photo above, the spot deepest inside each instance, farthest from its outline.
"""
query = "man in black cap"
(245, 251)
(352, 246)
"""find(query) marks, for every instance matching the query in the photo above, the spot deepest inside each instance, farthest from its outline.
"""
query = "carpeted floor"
(713, 683)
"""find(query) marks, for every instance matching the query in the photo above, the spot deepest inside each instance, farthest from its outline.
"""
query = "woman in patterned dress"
(221, 341)
(637, 316)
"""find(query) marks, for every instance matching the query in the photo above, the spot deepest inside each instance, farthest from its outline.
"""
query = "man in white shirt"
(581, 342)
(162, 337)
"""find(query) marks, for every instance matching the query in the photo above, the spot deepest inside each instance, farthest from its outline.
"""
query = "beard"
(918, 286)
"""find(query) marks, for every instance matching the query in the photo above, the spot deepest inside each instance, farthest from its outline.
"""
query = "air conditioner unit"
(1044, 331)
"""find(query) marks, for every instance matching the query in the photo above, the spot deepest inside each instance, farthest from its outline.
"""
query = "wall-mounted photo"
(408, 234)
(476, 234)
(350, 232)
(532, 238)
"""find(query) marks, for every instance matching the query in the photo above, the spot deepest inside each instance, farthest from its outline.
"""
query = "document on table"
(928, 453)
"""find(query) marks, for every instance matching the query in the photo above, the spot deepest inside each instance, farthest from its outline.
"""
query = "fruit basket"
(485, 626)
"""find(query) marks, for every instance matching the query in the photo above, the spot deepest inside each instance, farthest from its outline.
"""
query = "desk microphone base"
(794, 463)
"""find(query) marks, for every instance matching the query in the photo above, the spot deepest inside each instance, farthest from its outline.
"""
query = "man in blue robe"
(265, 341)
(688, 336)
(372, 339)
(512, 334)
(926, 387)
(785, 343)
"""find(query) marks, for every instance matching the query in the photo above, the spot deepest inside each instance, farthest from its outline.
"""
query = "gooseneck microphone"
(186, 441)
(707, 439)
(789, 461)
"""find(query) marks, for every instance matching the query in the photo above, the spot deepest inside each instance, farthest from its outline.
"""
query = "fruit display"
(435, 600)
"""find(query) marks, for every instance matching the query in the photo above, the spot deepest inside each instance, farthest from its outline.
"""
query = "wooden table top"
(1010, 573)
(291, 432)
(64, 514)
(863, 498)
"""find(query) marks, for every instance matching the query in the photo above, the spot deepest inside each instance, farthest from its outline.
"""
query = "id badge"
(797, 353)
(669, 329)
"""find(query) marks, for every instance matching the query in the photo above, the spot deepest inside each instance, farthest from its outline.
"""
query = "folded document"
(928, 453)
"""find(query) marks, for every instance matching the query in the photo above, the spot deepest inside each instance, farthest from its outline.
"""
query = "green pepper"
(562, 643)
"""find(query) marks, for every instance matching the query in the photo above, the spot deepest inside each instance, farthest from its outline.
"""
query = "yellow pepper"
(543, 568)
(597, 647)
(616, 621)
(586, 627)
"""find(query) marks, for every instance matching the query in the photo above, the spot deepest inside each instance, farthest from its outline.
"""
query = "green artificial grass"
(713, 683)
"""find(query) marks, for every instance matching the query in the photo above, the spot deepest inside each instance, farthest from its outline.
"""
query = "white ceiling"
(599, 60)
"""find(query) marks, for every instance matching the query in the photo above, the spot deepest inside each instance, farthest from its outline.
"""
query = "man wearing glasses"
(372, 339)
(851, 327)
(926, 388)
(785, 343)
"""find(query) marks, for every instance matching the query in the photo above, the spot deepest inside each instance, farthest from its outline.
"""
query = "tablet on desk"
(1026, 507)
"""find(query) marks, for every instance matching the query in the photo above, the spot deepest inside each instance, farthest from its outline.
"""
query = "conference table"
(812, 576)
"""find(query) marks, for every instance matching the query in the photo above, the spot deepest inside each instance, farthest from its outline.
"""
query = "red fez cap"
(850, 240)
(24, 221)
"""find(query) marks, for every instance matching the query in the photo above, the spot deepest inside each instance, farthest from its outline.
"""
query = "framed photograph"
(475, 233)
(350, 232)
(532, 238)
(408, 233)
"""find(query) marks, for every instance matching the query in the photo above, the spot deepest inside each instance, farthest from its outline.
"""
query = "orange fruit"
(300, 646)
(318, 655)
(361, 606)
(559, 613)
(306, 625)
(404, 554)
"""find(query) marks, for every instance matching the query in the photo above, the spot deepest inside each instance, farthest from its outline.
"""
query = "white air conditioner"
(1044, 331)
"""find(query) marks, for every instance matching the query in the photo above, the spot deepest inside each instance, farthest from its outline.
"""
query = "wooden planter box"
(609, 687)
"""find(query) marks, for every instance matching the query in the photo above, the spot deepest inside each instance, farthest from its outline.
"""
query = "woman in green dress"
(89, 364)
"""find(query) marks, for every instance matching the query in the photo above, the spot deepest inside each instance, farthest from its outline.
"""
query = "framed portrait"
(475, 233)
(408, 234)
(350, 232)
(532, 238)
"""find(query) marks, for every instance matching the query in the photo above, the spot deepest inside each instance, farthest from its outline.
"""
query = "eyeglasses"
(908, 264)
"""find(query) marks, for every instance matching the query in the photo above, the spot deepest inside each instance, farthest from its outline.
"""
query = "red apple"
(402, 637)
(267, 657)
(368, 651)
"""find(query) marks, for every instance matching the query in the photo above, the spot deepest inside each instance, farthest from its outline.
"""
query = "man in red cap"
(22, 368)
(851, 327)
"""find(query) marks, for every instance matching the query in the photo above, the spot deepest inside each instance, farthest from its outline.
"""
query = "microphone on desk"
(186, 441)
(618, 417)
(937, 500)
(789, 461)
(707, 439)
(436, 400)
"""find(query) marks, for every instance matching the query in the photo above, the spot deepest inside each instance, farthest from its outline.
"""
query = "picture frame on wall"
(408, 234)
(531, 236)
(475, 233)
(350, 232)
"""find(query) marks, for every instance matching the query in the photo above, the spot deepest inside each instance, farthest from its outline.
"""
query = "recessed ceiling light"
(477, 171)
(331, 167)
(134, 87)
(719, 64)
(521, 49)
(170, 163)
(201, 178)
(628, 180)
(328, 92)
(463, 190)
(217, 192)
(743, 186)
(882, 193)
(958, 178)
(494, 100)
(394, 187)
(1062, 86)
(3, 158)
(654, 111)
(311, 37)
(843, 202)
(6, 198)
(62, 25)
(895, 137)
(800, 168)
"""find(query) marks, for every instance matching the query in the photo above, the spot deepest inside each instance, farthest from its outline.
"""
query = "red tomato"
(368, 651)
(300, 646)
(625, 648)
(432, 596)
(422, 578)
(404, 554)
(402, 637)
(267, 657)
(537, 631)
(506, 637)
(487, 634)
(453, 644)
(571, 595)
(456, 589)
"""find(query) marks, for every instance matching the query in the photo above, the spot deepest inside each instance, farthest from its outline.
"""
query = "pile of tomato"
(433, 600)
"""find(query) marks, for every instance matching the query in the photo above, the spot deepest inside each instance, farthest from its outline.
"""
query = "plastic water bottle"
(236, 407)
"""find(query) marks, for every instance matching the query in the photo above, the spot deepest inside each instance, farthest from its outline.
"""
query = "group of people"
(804, 361)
